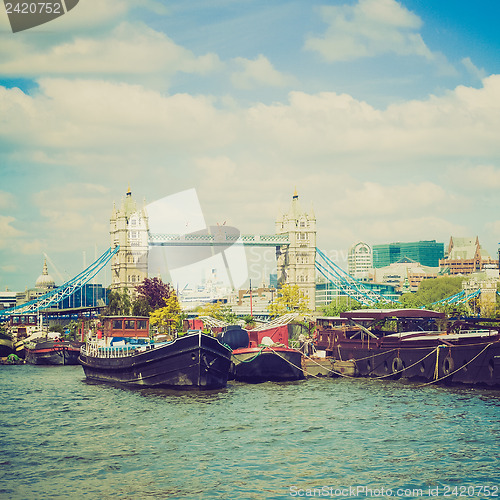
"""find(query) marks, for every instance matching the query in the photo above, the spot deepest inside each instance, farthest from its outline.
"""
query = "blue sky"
(385, 115)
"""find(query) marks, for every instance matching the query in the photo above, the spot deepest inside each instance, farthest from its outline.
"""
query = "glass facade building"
(426, 253)
(90, 295)
(326, 292)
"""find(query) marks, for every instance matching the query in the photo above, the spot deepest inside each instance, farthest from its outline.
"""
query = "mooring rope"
(458, 369)
(411, 366)
(294, 365)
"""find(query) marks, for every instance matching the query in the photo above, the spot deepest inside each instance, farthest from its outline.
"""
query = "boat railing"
(97, 350)
(481, 332)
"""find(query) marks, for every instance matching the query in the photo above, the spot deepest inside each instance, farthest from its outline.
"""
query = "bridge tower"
(129, 229)
(295, 262)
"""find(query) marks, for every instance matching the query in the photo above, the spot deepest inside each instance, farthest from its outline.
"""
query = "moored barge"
(47, 351)
(123, 354)
(415, 344)
(262, 355)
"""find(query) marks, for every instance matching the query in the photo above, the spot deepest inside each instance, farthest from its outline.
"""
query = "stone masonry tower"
(129, 229)
(296, 263)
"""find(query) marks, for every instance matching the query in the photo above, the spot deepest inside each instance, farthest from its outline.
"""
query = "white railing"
(97, 350)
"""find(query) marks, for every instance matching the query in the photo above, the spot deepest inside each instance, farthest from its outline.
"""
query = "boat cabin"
(365, 324)
(125, 326)
(23, 324)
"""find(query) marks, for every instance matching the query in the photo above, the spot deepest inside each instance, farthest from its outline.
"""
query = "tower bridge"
(294, 241)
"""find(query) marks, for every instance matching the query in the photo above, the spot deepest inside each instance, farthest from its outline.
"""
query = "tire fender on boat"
(397, 366)
(448, 365)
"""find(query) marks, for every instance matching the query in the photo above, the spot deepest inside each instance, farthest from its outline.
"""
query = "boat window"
(129, 324)
(117, 324)
(141, 324)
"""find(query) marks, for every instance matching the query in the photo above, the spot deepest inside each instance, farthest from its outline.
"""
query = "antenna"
(55, 268)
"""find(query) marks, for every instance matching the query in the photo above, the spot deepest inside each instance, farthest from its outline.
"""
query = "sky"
(383, 114)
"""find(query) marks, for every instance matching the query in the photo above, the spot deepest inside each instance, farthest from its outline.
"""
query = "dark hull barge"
(195, 361)
(261, 364)
(410, 344)
(52, 352)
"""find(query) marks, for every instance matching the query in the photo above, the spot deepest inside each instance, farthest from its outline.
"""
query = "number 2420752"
(33, 8)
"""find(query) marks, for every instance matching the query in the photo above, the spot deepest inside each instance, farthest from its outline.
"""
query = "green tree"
(57, 329)
(168, 317)
(141, 307)
(288, 299)
(219, 311)
(339, 305)
(118, 303)
(249, 322)
(433, 290)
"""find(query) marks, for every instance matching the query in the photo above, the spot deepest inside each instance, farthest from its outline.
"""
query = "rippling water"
(62, 437)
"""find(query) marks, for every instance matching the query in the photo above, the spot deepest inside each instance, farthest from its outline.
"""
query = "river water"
(62, 437)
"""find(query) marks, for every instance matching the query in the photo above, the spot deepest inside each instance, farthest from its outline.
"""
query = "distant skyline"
(384, 115)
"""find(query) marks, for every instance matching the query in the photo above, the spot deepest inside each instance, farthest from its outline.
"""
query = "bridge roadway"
(222, 239)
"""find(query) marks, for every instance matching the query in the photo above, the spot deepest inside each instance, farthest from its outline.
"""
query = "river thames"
(62, 437)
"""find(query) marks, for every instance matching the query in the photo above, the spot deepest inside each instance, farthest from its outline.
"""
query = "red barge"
(262, 355)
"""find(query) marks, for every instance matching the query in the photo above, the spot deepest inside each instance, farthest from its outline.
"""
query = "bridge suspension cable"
(345, 283)
(458, 298)
(65, 290)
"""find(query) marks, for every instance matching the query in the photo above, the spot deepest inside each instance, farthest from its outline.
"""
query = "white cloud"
(482, 177)
(128, 50)
(7, 231)
(374, 200)
(369, 28)
(7, 200)
(80, 211)
(476, 72)
(258, 72)
(69, 118)
(82, 114)
(412, 229)
(462, 122)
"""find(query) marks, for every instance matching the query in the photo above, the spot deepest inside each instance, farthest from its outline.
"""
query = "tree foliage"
(152, 294)
(118, 303)
(169, 316)
(219, 311)
(342, 304)
(249, 322)
(140, 307)
(432, 290)
(288, 299)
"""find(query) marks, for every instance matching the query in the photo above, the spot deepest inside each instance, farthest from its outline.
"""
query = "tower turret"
(296, 262)
(129, 229)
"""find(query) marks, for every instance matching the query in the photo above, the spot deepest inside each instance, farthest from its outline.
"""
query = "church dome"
(45, 280)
